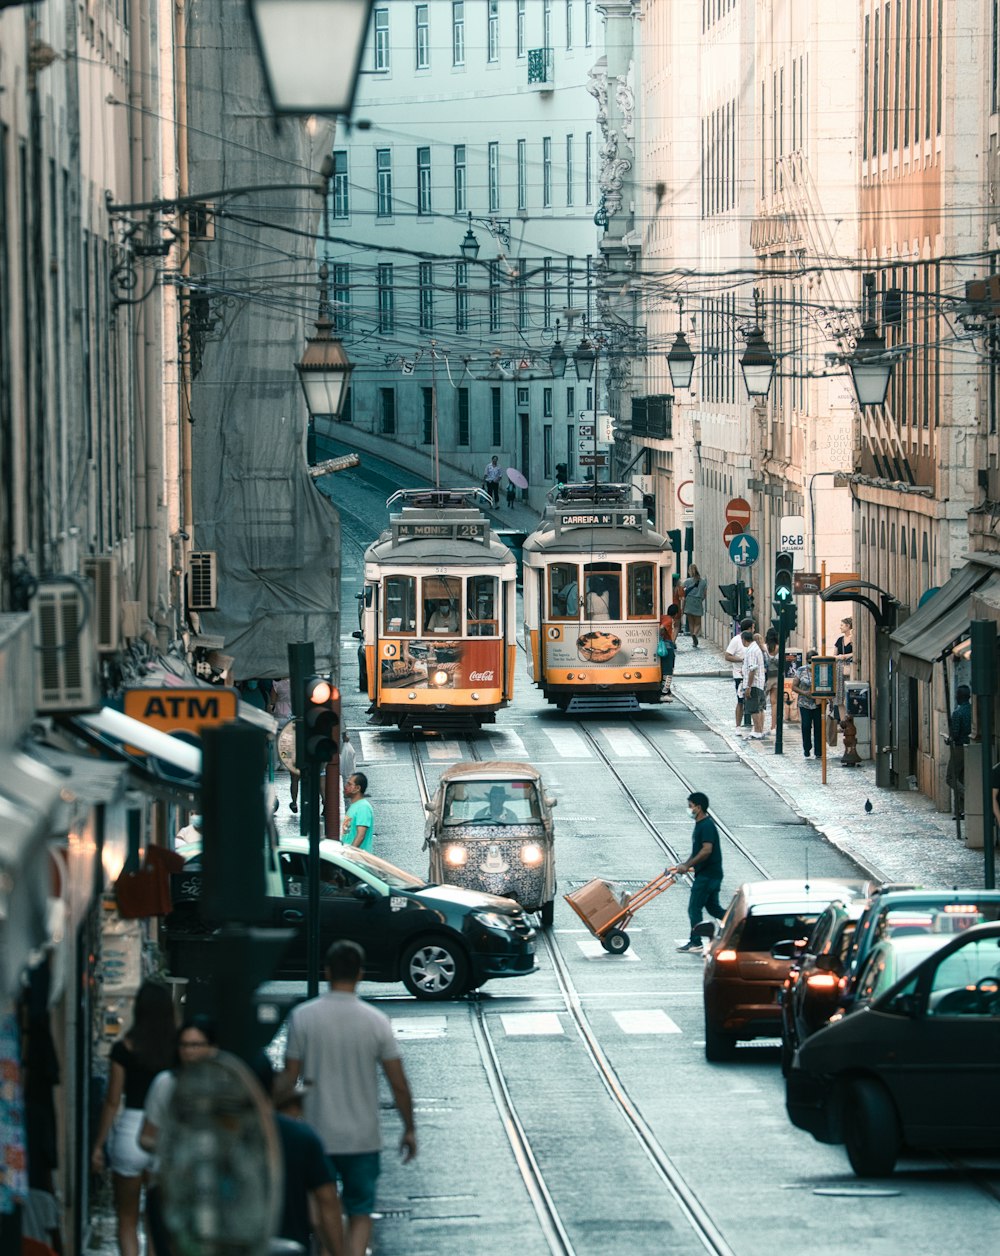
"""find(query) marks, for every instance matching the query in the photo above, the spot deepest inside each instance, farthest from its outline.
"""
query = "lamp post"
(499, 229)
(680, 359)
(557, 357)
(585, 364)
(871, 368)
(757, 364)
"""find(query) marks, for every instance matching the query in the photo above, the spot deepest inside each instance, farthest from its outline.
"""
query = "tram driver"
(444, 617)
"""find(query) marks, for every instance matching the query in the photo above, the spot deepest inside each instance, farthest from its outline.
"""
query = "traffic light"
(730, 601)
(674, 537)
(790, 614)
(322, 720)
(783, 590)
(746, 601)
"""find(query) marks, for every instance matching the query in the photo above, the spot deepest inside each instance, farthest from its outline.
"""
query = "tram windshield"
(640, 590)
(481, 606)
(452, 605)
(442, 606)
(399, 604)
(603, 593)
(564, 591)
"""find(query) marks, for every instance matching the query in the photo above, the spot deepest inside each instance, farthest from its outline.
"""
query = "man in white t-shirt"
(754, 677)
(734, 656)
(336, 1043)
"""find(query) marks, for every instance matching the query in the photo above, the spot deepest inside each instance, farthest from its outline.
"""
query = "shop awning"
(84, 778)
(29, 794)
(941, 622)
(159, 761)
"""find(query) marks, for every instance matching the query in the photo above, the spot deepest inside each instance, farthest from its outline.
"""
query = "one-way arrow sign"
(744, 550)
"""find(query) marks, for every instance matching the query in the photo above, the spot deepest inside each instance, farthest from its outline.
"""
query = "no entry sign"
(729, 531)
(738, 511)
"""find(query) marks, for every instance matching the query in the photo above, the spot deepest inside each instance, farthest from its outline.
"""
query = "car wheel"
(871, 1129)
(719, 1047)
(615, 941)
(548, 914)
(435, 969)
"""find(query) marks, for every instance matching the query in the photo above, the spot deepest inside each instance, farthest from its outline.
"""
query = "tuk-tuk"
(489, 827)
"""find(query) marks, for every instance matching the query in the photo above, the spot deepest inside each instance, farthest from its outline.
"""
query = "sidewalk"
(903, 838)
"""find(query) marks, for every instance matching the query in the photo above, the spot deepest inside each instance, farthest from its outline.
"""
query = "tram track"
(550, 1222)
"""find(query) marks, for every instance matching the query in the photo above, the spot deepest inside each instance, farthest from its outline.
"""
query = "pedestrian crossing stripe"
(531, 1024)
(651, 1021)
(592, 949)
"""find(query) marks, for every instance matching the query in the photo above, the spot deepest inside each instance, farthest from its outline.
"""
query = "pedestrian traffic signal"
(730, 601)
(783, 591)
(322, 719)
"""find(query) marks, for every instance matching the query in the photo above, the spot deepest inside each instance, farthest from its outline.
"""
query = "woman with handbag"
(666, 650)
(695, 592)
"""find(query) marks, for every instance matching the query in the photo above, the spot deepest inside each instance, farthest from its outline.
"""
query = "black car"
(439, 940)
(918, 1068)
(812, 989)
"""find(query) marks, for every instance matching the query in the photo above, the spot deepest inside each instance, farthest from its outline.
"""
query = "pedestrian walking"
(336, 1044)
(810, 711)
(695, 592)
(492, 475)
(734, 657)
(773, 688)
(959, 736)
(358, 827)
(666, 650)
(705, 861)
(754, 673)
(146, 1049)
(348, 765)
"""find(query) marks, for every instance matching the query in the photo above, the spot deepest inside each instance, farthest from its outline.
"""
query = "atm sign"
(181, 710)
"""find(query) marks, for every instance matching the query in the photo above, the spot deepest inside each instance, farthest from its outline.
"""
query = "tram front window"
(399, 604)
(564, 591)
(481, 606)
(603, 598)
(640, 590)
(442, 604)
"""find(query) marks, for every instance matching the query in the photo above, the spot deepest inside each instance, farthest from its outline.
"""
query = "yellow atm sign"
(181, 710)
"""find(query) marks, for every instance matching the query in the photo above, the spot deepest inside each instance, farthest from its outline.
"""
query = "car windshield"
(761, 931)
(395, 878)
(490, 802)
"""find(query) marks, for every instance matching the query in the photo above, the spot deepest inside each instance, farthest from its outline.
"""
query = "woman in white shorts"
(145, 1050)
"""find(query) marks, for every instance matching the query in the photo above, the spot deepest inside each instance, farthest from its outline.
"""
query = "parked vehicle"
(489, 827)
(917, 1068)
(813, 985)
(743, 979)
(438, 940)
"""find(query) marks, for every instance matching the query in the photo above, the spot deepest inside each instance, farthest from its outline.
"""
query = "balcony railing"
(541, 67)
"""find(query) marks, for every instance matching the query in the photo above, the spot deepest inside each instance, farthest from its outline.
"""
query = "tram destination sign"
(446, 530)
(602, 519)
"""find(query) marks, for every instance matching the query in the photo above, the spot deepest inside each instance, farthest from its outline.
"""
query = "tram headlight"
(439, 678)
(532, 855)
(456, 856)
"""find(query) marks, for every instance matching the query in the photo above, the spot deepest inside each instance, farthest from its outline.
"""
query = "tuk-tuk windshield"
(490, 802)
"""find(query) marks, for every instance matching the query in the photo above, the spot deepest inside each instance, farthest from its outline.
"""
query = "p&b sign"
(792, 536)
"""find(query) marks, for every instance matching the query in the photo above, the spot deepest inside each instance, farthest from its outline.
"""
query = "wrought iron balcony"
(541, 68)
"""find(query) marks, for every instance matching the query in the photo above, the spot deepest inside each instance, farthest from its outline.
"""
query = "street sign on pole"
(738, 511)
(730, 531)
(593, 460)
(744, 550)
(806, 582)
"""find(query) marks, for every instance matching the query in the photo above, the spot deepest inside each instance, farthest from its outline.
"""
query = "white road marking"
(443, 750)
(568, 743)
(625, 744)
(652, 1021)
(374, 749)
(410, 1028)
(689, 741)
(523, 1024)
(508, 745)
(592, 949)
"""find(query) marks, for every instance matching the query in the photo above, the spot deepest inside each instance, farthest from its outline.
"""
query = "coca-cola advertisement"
(436, 663)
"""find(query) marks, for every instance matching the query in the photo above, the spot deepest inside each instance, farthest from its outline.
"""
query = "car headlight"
(532, 855)
(494, 920)
(456, 856)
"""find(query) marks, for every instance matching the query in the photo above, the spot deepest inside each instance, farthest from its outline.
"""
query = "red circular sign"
(731, 530)
(680, 497)
(738, 511)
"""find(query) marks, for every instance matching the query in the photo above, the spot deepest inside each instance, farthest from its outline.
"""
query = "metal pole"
(434, 416)
(597, 355)
(986, 739)
(882, 772)
(301, 664)
(822, 726)
(780, 725)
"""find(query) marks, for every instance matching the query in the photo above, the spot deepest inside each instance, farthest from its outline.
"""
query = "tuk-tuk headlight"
(456, 856)
(532, 855)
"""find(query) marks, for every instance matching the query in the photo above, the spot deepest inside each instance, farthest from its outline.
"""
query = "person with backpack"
(666, 650)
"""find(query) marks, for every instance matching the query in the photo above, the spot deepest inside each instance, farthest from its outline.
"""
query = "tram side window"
(603, 591)
(564, 591)
(481, 606)
(399, 604)
(640, 590)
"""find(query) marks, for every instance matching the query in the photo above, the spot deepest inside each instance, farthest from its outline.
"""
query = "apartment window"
(461, 179)
(928, 54)
(495, 420)
(423, 180)
(522, 303)
(463, 416)
(381, 39)
(586, 22)
(569, 170)
(886, 30)
(383, 183)
(588, 168)
(386, 298)
(341, 187)
(547, 292)
(458, 33)
(569, 23)
(341, 296)
(907, 72)
(547, 450)
(493, 30)
(895, 78)
(546, 404)
(522, 174)
(570, 402)
(387, 411)
(427, 402)
(462, 296)
(493, 162)
(520, 27)
(547, 23)
(423, 38)
(494, 296)
(875, 73)
(917, 64)
(547, 172)
(426, 281)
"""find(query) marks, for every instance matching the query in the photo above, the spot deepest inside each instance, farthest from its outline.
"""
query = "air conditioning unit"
(203, 581)
(107, 609)
(65, 669)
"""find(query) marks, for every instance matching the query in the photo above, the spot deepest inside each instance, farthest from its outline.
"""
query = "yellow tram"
(596, 580)
(438, 613)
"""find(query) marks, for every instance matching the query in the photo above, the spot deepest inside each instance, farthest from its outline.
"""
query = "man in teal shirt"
(360, 818)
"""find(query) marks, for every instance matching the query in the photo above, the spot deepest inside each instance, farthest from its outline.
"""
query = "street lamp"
(557, 357)
(871, 369)
(470, 245)
(583, 360)
(311, 52)
(680, 363)
(757, 364)
(324, 367)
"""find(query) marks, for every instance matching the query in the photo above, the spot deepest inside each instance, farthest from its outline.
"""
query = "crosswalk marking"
(523, 1024)
(592, 949)
(507, 745)
(374, 749)
(568, 743)
(625, 743)
(650, 1021)
(689, 741)
(443, 750)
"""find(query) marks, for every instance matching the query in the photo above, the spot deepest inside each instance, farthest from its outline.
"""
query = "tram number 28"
(630, 521)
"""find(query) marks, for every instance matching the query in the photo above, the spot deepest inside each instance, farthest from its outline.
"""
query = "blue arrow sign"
(744, 550)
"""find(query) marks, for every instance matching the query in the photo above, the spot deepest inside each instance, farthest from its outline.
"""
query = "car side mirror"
(358, 635)
(366, 893)
(787, 949)
(551, 802)
(907, 1005)
(429, 808)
